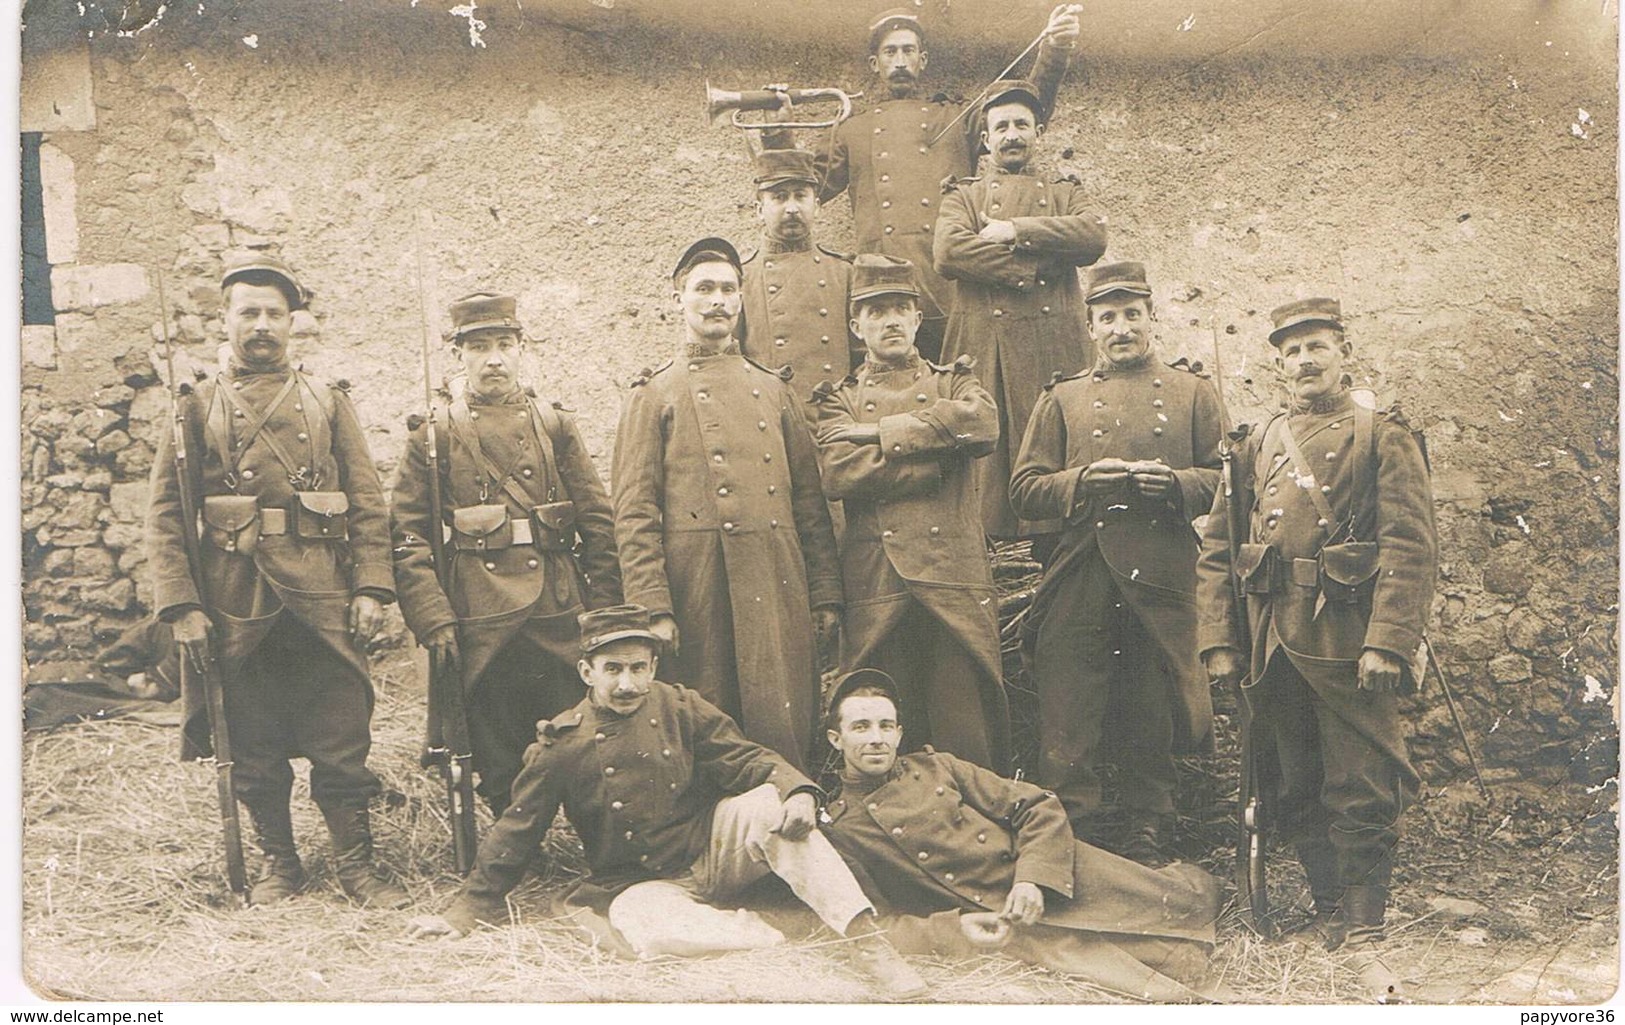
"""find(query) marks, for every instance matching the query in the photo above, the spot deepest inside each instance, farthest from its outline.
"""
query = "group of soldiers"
(793, 495)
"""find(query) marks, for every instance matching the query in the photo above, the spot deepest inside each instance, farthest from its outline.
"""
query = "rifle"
(446, 744)
(1251, 889)
(213, 696)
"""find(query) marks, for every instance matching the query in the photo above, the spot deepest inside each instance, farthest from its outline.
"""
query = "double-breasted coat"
(1320, 591)
(889, 161)
(914, 538)
(245, 428)
(795, 302)
(1019, 311)
(943, 835)
(721, 522)
(638, 789)
(1120, 543)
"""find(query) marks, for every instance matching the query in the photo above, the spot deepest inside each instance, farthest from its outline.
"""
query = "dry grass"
(124, 898)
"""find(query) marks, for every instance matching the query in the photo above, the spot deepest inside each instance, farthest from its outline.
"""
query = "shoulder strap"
(255, 423)
(1365, 464)
(1301, 465)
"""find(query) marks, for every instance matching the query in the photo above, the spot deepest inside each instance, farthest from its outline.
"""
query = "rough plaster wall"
(1469, 233)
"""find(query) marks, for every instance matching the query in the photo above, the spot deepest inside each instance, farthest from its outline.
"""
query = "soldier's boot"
(875, 957)
(1364, 909)
(361, 879)
(1326, 928)
(281, 875)
(1146, 837)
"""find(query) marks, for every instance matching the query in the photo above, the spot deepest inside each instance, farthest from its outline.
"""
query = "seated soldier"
(661, 785)
(969, 861)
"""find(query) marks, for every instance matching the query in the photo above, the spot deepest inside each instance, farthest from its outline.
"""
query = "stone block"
(1509, 668)
(89, 286)
(56, 93)
(70, 538)
(80, 511)
(39, 346)
(111, 443)
(128, 502)
(66, 481)
(113, 396)
(124, 537)
(1508, 572)
(119, 596)
(134, 461)
(61, 198)
(78, 633)
(40, 638)
(130, 564)
(94, 563)
(58, 563)
(149, 407)
(99, 481)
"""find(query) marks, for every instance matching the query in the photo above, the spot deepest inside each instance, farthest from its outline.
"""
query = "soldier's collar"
(1105, 368)
(772, 245)
(909, 362)
(237, 369)
(513, 397)
(1340, 401)
(694, 350)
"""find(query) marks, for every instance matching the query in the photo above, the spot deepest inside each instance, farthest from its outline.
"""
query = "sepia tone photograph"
(746, 501)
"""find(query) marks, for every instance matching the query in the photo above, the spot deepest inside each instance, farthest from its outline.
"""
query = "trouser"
(746, 847)
(1143, 967)
(1344, 777)
(1096, 665)
(945, 694)
(292, 697)
(521, 685)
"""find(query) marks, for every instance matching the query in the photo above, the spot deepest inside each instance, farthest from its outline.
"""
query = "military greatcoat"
(914, 542)
(1316, 602)
(943, 835)
(1020, 312)
(795, 314)
(1119, 548)
(639, 790)
(521, 455)
(885, 159)
(262, 576)
(721, 522)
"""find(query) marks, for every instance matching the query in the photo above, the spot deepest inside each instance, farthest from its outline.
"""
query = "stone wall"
(1459, 203)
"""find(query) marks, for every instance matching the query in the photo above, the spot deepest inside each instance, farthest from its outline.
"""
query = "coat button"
(925, 202)
(248, 475)
(671, 786)
(609, 770)
(1320, 523)
(921, 398)
(981, 838)
(702, 393)
(772, 489)
(1099, 404)
(1156, 382)
(616, 805)
(779, 342)
(885, 203)
(934, 532)
(490, 565)
(885, 533)
(824, 339)
(768, 264)
(869, 406)
(723, 492)
(237, 413)
(1331, 455)
(530, 563)
(761, 425)
(897, 831)
(1100, 524)
(475, 415)
(1156, 403)
(1043, 202)
(598, 736)
(728, 526)
(884, 154)
(1325, 489)
(888, 229)
(823, 312)
(756, 393)
(774, 524)
(821, 282)
(1097, 432)
(885, 177)
(939, 791)
(998, 313)
(527, 472)
(767, 457)
(948, 876)
(1335, 424)
(1045, 309)
(873, 806)
(629, 834)
(1273, 489)
(826, 368)
(878, 130)
(643, 858)
(693, 366)
(772, 289)
(1156, 431)
(924, 855)
(237, 385)
(717, 458)
(298, 407)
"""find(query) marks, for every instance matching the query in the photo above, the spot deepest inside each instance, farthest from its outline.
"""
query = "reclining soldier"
(668, 798)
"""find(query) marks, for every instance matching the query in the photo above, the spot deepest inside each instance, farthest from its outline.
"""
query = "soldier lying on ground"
(970, 861)
(662, 789)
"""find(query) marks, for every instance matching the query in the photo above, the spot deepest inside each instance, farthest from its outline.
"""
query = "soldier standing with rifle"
(1338, 564)
(531, 545)
(295, 559)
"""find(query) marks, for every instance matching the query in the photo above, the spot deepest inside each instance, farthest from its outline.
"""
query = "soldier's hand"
(1063, 27)
(827, 636)
(800, 815)
(1378, 671)
(985, 930)
(999, 231)
(429, 927)
(1152, 479)
(664, 626)
(1024, 905)
(442, 645)
(192, 634)
(1104, 475)
(1223, 665)
(366, 616)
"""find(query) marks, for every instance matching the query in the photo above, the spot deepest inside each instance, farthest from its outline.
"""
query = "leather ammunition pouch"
(554, 526)
(1256, 566)
(232, 522)
(1348, 570)
(481, 528)
(320, 515)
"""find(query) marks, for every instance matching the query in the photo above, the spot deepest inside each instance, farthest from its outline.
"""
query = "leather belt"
(522, 534)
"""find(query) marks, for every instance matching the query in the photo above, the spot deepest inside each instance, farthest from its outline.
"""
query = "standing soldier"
(1338, 565)
(1014, 242)
(892, 158)
(1126, 455)
(896, 441)
(519, 493)
(296, 558)
(723, 531)
(794, 289)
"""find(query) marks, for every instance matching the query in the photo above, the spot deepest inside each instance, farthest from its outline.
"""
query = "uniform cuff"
(1398, 641)
(376, 576)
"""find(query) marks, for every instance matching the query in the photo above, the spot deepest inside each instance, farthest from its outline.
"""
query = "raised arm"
(853, 469)
(958, 251)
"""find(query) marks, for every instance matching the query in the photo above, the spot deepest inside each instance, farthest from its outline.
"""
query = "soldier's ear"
(923, 58)
(583, 667)
(1039, 131)
(852, 325)
(919, 316)
(874, 64)
(834, 737)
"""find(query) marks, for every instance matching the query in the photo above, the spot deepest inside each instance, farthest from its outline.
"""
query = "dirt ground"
(124, 899)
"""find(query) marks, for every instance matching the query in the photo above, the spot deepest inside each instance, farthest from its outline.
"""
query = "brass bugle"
(719, 102)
